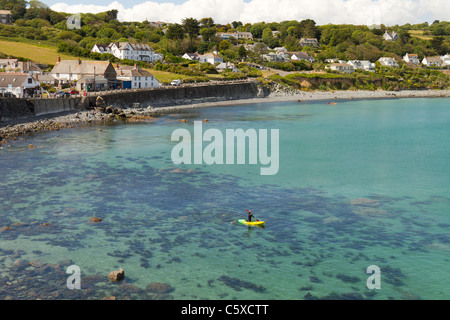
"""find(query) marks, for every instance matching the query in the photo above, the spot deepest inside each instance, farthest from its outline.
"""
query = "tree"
(208, 33)
(242, 53)
(191, 26)
(307, 29)
(207, 22)
(224, 45)
(175, 31)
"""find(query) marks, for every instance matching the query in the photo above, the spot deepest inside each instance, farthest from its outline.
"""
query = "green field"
(40, 54)
(48, 55)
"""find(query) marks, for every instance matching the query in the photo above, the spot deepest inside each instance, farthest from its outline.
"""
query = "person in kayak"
(250, 215)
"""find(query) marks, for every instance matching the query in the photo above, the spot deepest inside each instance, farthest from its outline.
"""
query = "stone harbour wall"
(166, 96)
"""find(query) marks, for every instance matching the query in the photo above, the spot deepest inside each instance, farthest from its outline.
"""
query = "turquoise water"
(360, 183)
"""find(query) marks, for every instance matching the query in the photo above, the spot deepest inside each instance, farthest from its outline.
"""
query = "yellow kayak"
(252, 223)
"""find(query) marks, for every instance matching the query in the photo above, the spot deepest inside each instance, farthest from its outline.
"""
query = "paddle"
(252, 215)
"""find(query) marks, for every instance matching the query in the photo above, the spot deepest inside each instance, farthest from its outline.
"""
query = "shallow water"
(360, 183)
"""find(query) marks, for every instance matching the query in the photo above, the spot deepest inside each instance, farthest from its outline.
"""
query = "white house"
(342, 67)
(432, 61)
(67, 71)
(130, 51)
(274, 57)
(304, 42)
(6, 17)
(45, 78)
(191, 56)
(446, 59)
(388, 62)
(211, 58)
(100, 48)
(412, 58)
(237, 35)
(227, 66)
(365, 65)
(390, 36)
(19, 84)
(297, 56)
(133, 77)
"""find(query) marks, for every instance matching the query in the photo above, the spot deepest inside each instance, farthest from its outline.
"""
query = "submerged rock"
(365, 202)
(116, 275)
(158, 287)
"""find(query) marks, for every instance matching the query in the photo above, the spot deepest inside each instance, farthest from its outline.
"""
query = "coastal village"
(118, 142)
(219, 53)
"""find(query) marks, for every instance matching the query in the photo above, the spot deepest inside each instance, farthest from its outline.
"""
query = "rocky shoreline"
(12, 129)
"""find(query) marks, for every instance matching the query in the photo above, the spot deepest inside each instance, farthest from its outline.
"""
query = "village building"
(304, 42)
(210, 57)
(92, 75)
(21, 85)
(446, 60)
(238, 35)
(342, 67)
(224, 66)
(130, 51)
(5, 17)
(45, 78)
(191, 56)
(274, 57)
(133, 77)
(432, 61)
(9, 64)
(411, 58)
(297, 56)
(362, 65)
(390, 36)
(388, 62)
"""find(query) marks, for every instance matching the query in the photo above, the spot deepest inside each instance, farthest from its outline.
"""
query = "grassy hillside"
(40, 54)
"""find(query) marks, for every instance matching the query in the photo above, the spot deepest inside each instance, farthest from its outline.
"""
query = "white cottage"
(130, 51)
(432, 61)
(211, 58)
(19, 84)
(412, 58)
(365, 65)
(133, 77)
(388, 62)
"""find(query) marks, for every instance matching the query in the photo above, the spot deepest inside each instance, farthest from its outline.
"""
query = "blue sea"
(360, 183)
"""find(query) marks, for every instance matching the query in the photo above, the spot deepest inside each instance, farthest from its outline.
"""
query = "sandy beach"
(11, 129)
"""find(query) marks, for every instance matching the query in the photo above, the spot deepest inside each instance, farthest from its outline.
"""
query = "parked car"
(74, 91)
(7, 94)
(62, 94)
(175, 82)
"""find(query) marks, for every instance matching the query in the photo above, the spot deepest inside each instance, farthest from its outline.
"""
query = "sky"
(361, 12)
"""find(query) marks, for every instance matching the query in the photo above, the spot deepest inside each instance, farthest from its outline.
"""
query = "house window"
(30, 80)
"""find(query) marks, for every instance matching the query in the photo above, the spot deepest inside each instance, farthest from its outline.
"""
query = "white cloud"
(388, 12)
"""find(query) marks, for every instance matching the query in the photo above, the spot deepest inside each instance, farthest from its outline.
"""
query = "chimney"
(135, 66)
(117, 66)
(58, 59)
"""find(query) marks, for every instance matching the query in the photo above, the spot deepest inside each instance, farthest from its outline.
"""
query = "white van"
(175, 82)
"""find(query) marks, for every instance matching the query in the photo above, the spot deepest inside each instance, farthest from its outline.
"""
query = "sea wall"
(181, 95)
(14, 108)
(166, 96)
